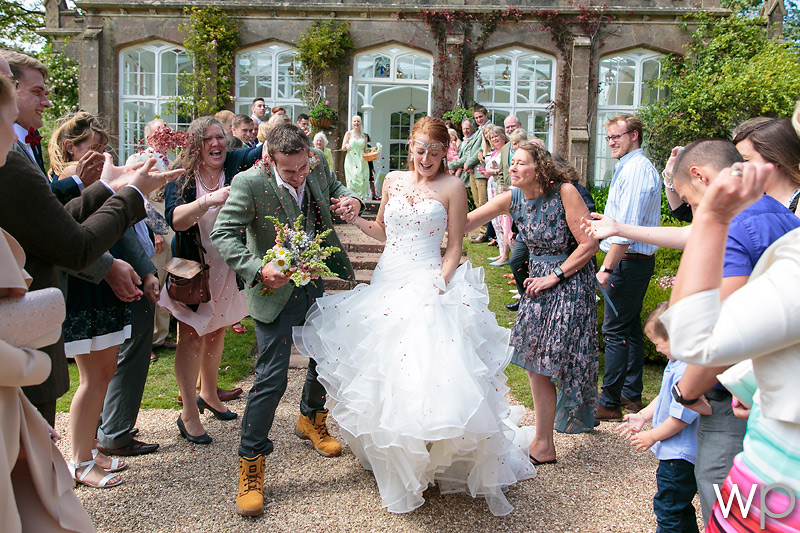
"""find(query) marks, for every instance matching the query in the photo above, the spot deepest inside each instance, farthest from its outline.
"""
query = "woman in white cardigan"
(757, 327)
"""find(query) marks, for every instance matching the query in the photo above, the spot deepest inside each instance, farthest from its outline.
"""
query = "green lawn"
(161, 389)
(499, 297)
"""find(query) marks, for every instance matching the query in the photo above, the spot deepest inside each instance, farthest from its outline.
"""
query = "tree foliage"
(732, 71)
(324, 47)
(19, 21)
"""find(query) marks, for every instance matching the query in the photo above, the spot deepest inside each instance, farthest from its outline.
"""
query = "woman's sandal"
(87, 466)
(117, 465)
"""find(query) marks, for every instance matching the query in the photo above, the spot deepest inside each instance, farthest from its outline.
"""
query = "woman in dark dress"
(555, 334)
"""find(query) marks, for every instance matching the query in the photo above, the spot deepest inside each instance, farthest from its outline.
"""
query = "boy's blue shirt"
(682, 445)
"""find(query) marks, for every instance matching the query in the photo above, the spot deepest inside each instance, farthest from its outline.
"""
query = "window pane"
(617, 77)
(398, 156)
(139, 67)
(651, 71)
(173, 62)
(382, 67)
(254, 70)
(364, 64)
(134, 117)
(288, 87)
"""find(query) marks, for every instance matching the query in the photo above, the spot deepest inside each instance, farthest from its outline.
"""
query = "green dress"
(356, 170)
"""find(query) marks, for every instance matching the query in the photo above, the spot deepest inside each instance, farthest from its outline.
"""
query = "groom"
(292, 184)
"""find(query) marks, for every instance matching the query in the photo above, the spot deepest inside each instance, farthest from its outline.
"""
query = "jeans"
(623, 332)
(274, 346)
(673, 501)
(719, 440)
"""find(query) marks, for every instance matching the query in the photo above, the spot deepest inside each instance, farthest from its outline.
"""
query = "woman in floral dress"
(555, 335)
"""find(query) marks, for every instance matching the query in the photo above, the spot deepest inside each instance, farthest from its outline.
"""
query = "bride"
(415, 360)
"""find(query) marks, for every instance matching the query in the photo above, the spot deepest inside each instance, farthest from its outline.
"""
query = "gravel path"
(599, 484)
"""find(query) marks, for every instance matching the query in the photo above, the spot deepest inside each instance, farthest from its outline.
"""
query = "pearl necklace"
(203, 185)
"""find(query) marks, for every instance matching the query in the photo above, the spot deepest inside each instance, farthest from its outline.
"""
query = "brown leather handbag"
(187, 280)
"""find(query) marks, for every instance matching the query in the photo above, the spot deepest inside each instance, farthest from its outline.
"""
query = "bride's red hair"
(436, 130)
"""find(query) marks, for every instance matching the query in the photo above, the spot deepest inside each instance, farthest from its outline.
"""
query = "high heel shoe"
(200, 439)
(219, 415)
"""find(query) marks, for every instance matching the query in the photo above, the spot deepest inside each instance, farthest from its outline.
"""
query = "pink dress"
(452, 155)
(227, 305)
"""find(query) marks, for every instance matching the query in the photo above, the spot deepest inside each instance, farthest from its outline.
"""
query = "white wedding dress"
(417, 376)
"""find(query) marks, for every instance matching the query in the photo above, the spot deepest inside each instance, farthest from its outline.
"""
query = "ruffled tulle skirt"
(418, 384)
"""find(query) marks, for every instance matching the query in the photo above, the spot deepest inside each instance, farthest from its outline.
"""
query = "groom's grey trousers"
(274, 346)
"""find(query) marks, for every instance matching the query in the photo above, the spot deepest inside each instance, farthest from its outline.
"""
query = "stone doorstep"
(364, 260)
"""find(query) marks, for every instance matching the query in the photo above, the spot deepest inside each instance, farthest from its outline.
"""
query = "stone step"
(336, 284)
(364, 260)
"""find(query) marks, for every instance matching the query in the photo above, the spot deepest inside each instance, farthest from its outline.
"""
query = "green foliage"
(323, 110)
(212, 38)
(457, 116)
(600, 195)
(732, 71)
(19, 21)
(324, 47)
(63, 83)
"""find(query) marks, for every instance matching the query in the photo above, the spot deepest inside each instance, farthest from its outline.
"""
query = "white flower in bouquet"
(378, 147)
(304, 278)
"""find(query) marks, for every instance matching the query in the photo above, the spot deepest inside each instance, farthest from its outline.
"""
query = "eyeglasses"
(428, 146)
(610, 138)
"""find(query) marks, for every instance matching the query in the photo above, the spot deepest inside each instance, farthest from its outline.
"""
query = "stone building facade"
(562, 67)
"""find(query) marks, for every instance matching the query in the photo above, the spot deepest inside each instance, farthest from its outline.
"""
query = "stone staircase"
(363, 252)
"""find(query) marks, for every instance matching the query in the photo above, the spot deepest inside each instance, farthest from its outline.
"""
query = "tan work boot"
(250, 499)
(317, 432)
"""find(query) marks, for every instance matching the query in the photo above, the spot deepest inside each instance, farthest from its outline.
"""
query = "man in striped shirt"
(635, 198)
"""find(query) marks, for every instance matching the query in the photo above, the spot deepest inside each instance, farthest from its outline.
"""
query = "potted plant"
(322, 115)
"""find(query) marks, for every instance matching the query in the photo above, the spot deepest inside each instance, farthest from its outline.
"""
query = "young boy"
(673, 439)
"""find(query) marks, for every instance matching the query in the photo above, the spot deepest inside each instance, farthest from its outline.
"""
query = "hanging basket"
(322, 123)
(371, 156)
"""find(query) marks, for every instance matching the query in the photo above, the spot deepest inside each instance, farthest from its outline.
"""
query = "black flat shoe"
(219, 415)
(537, 462)
(201, 439)
(514, 306)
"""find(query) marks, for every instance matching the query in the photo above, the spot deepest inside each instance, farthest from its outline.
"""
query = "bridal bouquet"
(298, 252)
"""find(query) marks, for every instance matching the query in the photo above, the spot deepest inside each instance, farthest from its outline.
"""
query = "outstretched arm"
(499, 205)
(604, 226)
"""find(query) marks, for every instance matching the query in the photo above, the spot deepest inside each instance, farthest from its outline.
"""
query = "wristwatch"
(560, 273)
(676, 393)
(604, 269)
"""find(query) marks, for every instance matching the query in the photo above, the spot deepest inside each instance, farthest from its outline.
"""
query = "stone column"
(89, 73)
(579, 102)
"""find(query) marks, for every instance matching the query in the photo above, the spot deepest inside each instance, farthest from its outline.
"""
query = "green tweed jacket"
(468, 155)
(256, 195)
(503, 177)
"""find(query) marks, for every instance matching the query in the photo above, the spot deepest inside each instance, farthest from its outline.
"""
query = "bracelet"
(667, 180)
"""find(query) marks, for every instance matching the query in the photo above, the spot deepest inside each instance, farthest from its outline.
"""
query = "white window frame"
(515, 106)
(603, 162)
(157, 98)
(294, 106)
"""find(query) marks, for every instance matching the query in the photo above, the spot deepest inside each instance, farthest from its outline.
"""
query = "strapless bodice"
(414, 235)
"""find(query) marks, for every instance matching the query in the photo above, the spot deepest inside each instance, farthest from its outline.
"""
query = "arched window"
(518, 82)
(148, 80)
(271, 72)
(625, 86)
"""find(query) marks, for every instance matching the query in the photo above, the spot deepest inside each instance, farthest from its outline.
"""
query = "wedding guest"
(55, 238)
(31, 77)
(157, 135)
(97, 324)
(772, 140)
(225, 117)
(303, 123)
(258, 111)
(468, 162)
(452, 150)
(245, 130)
(192, 205)
(518, 262)
(757, 328)
(502, 224)
(278, 110)
(321, 144)
(35, 486)
(263, 129)
(356, 171)
(554, 335)
(673, 438)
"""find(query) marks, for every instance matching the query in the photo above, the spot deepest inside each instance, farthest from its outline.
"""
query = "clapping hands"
(139, 175)
(631, 430)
